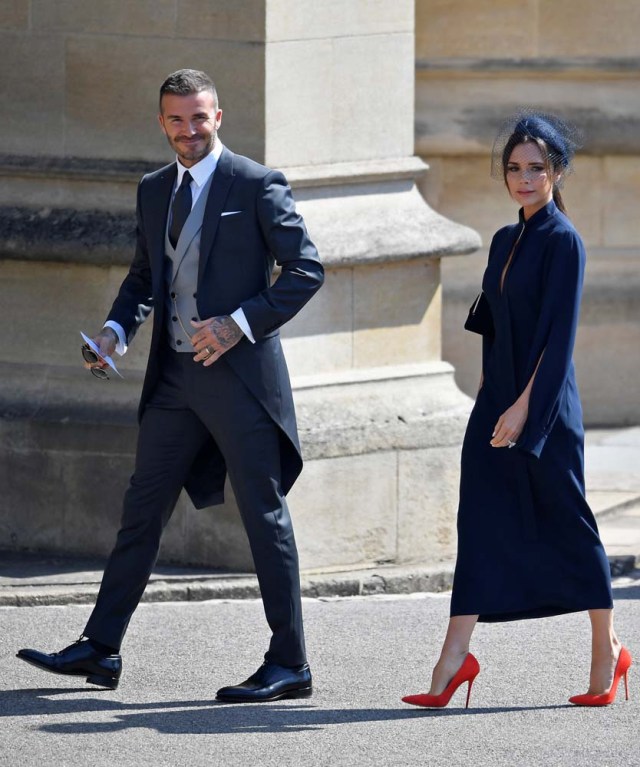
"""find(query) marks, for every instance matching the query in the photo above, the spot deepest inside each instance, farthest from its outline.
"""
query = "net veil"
(562, 139)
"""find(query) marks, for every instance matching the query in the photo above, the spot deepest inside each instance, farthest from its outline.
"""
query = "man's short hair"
(184, 82)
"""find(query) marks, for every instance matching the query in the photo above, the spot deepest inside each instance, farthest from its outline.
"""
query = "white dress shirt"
(201, 172)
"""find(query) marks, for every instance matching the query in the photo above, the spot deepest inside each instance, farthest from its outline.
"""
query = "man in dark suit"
(216, 396)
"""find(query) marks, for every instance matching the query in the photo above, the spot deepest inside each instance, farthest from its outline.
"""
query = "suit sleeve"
(133, 303)
(554, 339)
(287, 239)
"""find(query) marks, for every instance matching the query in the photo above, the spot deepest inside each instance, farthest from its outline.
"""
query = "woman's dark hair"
(184, 82)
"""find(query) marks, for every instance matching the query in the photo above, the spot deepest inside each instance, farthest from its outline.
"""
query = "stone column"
(480, 62)
(323, 91)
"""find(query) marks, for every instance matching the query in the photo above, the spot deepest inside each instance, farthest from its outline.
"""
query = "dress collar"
(540, 215)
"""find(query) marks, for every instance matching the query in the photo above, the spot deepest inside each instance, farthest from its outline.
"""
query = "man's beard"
(193, 154)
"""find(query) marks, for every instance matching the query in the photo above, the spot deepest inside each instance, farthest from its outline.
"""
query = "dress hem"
(538, 612)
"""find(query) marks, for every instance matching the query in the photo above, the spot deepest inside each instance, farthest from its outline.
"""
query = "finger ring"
(510, 443)
(209, 349)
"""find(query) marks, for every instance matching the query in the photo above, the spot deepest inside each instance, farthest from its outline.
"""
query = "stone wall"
(477, 61)
(323, 91)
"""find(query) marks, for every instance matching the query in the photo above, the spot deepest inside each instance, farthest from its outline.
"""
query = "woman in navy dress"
(528, 543)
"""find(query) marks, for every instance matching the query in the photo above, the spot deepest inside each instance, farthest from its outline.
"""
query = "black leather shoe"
(270, 682)
(79, 659)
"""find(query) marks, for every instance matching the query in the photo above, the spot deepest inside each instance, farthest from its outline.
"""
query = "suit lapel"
(220, 185)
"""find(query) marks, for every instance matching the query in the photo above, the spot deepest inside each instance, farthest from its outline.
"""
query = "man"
(216, 396)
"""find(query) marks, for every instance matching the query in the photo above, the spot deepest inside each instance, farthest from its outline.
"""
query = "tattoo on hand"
(226, 332)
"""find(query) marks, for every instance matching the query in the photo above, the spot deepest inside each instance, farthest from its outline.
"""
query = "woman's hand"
(510, 424)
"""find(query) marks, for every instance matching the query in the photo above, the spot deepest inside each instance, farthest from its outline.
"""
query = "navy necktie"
(180, 209)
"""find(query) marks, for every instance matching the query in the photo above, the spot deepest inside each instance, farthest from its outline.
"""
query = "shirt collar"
(201, 172)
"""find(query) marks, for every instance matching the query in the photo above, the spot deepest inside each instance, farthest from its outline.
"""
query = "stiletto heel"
(466, 673)
(466, 705)
(623, 664)
(626, 685)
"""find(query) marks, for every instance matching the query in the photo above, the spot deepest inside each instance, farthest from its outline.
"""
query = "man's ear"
(161, 121)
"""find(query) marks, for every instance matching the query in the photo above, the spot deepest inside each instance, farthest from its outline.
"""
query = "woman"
(528, 544)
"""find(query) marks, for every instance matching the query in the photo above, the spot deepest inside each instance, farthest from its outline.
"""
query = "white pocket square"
(231, 213)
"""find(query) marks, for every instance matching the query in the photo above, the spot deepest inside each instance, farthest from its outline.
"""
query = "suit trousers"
(191, 404)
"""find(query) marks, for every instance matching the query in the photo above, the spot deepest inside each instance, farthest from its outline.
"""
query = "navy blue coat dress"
(528, 543)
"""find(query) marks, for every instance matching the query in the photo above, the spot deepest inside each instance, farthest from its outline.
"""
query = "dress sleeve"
(554, 338)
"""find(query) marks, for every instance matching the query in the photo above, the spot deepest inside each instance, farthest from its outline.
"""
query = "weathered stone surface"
(621, 227)
(395, 407)
(14, 14)
(108, 17)
(609, 28)
(428, 503)
(242, 20)
(459, 106)
(96, 65)
(542, 28)
(329, 533)
(309, 19)
(472, 28)
(33, 67)
(335, 118)
(66, 234)
(388, 331)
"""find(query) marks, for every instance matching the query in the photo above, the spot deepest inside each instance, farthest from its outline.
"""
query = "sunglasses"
(91, 357)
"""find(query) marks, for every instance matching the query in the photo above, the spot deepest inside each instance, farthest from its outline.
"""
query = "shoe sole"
(97, 679)
(303, 692)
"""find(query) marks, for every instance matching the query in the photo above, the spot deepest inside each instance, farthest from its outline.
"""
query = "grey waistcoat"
(181, 276)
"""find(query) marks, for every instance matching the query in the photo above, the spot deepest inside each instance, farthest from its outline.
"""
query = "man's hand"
(214, 337)
(106, 341)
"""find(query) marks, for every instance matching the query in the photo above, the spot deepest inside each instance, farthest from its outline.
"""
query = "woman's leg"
(605, 648)
(454, 651)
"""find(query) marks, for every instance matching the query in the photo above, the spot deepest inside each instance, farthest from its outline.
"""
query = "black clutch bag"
(480, 319)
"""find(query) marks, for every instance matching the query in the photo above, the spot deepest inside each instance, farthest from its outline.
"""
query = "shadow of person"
(217, 719)
(42, 701)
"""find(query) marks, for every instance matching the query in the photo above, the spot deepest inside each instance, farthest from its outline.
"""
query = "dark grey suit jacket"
(237, 256)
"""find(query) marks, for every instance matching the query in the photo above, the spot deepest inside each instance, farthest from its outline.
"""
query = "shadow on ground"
(209, 716)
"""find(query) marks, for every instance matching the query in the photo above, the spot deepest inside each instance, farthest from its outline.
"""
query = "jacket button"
(178, 342)
(175, 319)
(173, 295)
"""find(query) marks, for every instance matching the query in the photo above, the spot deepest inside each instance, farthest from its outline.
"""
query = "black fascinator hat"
(560, 138)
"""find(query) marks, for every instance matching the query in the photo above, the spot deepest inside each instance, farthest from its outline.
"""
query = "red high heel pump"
(623, 665)
(466, 673)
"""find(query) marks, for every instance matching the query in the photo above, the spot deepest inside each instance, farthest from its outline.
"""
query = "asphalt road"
(365, 654)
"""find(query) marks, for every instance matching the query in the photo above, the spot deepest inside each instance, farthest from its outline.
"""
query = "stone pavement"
(612, 460)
